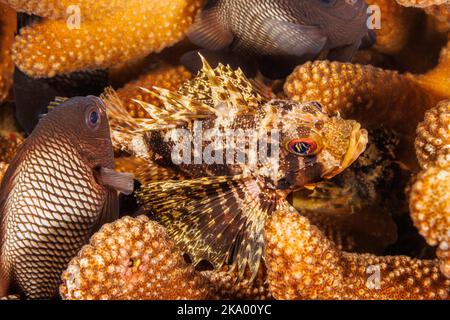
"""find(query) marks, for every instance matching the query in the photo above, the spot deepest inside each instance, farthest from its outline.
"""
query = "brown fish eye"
(302, 147)
(93, 118)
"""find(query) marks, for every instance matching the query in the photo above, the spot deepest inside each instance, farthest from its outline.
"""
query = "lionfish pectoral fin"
(218, 219)
(151, 171)
(208, 32)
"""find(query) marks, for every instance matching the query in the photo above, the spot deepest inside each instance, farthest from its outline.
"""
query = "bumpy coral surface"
(430, 207)
(50, 47)
(132, 258)
(433, 134)
(58, 9)
(7, 29)
(227, 285)
(421, 3)
(303, 264)
(430, 194)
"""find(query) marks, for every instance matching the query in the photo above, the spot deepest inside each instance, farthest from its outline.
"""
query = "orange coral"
(49, 47)
(227, 285)
(303, 264)
(7, 29)
(421, 3)
(437, 80)
(396, 26)
(433, 134)
(430, 194)
(430, 207)
(59, 9)
(132, 258)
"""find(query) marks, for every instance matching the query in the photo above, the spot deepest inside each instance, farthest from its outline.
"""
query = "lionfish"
(218, 213)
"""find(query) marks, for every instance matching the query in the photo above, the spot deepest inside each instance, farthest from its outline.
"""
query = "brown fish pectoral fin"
(344, 53)
(219, 219)
(295, 39)
(208, 32)
(120, 181)
(110, 210)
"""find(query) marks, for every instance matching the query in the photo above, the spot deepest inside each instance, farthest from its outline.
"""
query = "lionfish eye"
(302, 147)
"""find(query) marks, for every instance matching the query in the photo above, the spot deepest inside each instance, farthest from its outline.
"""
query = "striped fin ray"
(219, 219)
(149, 172)
(223, 86)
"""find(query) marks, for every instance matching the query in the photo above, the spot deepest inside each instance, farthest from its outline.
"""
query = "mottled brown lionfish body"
(219, 214)
(57, 191)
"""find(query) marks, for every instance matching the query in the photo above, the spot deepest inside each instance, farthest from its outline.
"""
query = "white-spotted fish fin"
(295, 39)
(207, 30)
(219, 219)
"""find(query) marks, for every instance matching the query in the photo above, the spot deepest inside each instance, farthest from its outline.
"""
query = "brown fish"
(59, 189)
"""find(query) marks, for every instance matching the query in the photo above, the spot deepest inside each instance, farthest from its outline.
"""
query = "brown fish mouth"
(358, 141)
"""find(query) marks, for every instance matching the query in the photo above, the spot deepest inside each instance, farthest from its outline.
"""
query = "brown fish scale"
(52, 208)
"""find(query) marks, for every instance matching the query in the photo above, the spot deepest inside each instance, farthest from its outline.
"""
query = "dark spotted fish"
(282, 32)
(219, 213)
(59, 188)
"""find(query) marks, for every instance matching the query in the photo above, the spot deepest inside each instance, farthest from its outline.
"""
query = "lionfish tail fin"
(218, 219)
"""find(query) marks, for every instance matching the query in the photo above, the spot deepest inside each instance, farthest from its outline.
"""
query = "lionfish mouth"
(358, 142)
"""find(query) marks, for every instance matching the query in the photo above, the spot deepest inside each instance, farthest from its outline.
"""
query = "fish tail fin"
(218, 219)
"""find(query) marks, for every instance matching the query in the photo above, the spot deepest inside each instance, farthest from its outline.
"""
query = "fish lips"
(298, 179)
(358, 142)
